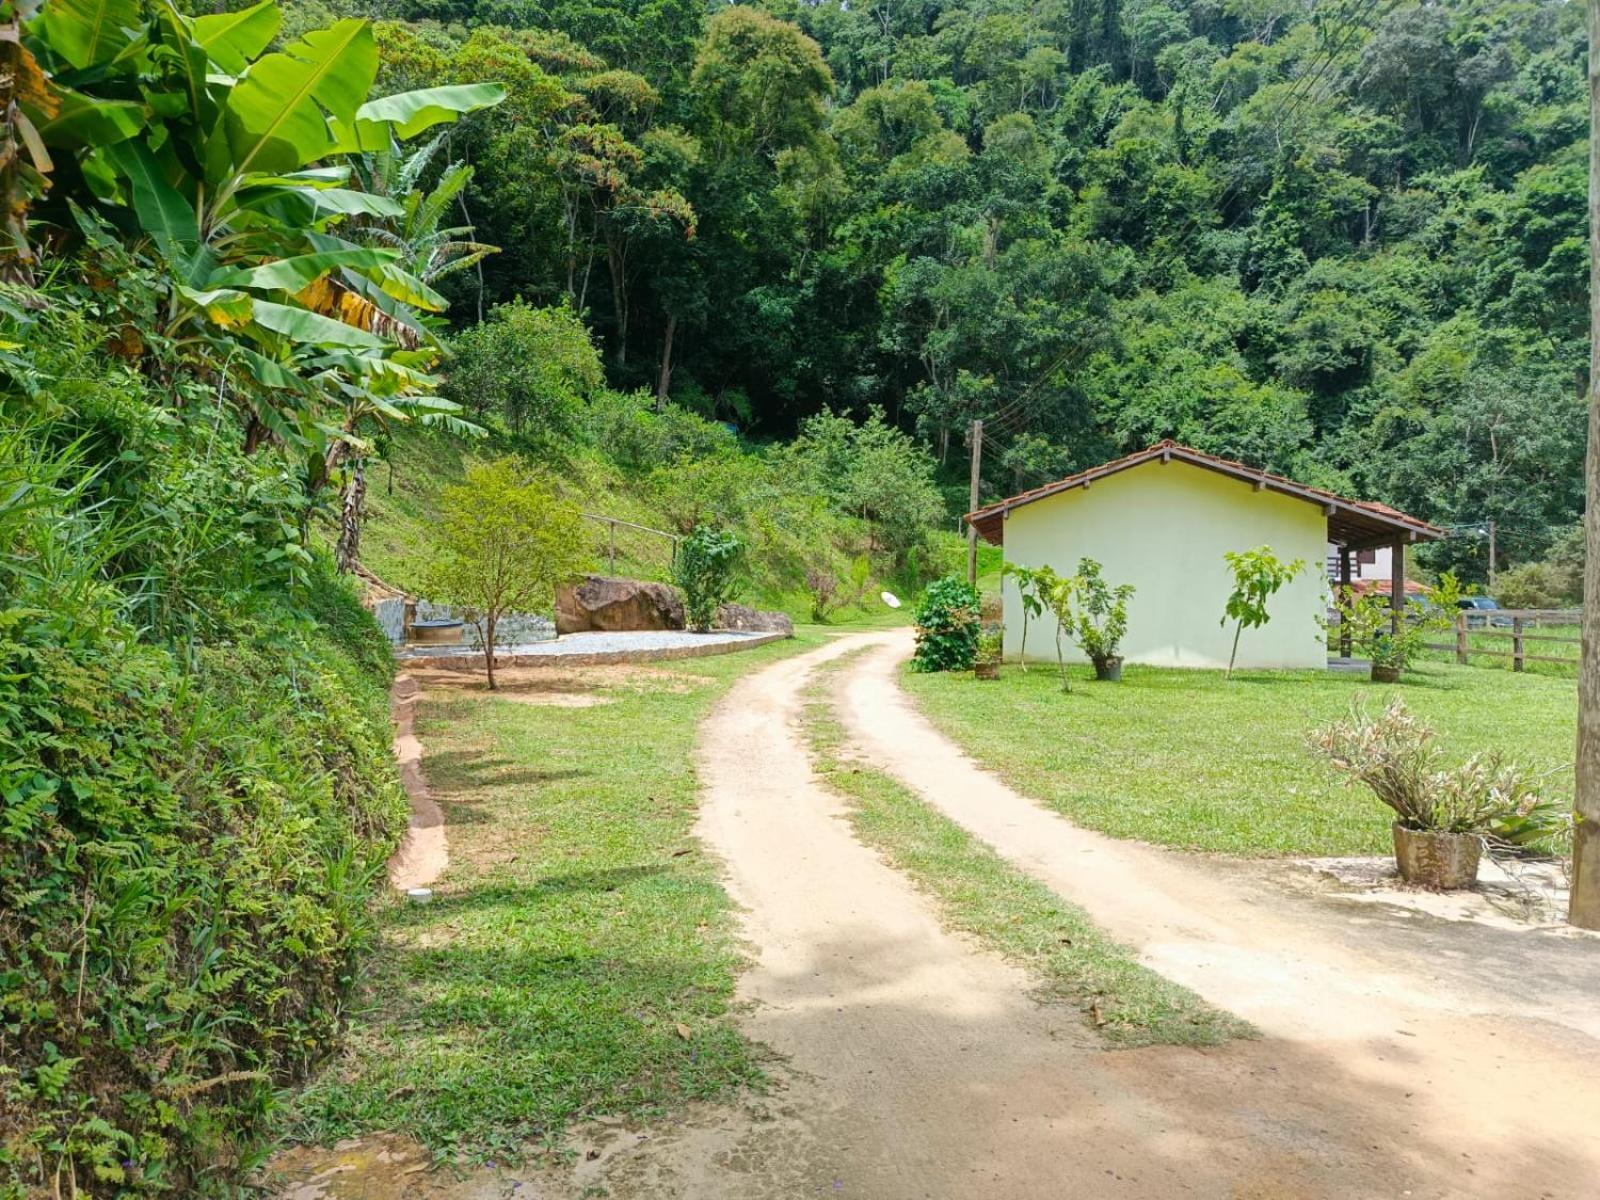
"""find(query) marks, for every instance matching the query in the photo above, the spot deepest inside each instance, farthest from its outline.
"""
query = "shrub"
(947, 626)
(1397, 756)
(531, 367)
(629, 431)
(1370, 621)
(704, 569)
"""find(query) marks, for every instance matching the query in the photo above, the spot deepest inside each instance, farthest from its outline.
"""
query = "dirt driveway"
(1401, 1055)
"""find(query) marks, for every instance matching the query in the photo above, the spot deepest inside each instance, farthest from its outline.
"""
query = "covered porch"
(1354, 526)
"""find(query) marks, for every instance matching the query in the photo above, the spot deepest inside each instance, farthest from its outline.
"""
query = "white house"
(1161, 520)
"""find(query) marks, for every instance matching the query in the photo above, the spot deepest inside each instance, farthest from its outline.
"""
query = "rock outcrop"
(753, 620)
(603, 604)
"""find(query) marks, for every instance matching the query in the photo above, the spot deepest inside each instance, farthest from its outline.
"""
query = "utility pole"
(1584, 907)
(1491, 555)
(976, 442)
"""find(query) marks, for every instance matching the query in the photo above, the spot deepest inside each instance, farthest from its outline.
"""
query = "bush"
(947, 626)
(704, 570)
(631, 433)
(531, 367)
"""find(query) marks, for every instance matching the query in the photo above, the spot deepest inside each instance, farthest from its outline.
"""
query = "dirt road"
(1401, 1056)
(921, 1069)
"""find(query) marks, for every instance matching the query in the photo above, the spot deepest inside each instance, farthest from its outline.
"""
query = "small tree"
(1027, 579)
(1057, 592)
(504, 544)
(704, 569)
(1257, 576)
(1102, 616)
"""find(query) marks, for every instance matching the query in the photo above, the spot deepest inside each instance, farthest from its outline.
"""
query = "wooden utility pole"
(972, 492)
(1584, 907)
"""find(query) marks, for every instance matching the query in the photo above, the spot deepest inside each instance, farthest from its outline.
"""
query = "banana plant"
(233, 165)
(429, 249)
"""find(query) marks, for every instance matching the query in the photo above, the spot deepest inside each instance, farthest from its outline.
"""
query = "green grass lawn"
(580, 956)
(1188, 759)
(980, 893)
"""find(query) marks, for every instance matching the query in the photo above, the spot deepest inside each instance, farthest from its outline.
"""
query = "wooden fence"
(1512, 625)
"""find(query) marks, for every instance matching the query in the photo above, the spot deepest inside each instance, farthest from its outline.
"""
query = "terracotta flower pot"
(1440, 862)
(1385, 674)
(986, 670)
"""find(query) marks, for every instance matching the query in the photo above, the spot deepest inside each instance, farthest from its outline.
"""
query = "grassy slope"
(578, 936)
(980, 893)
(403, 496)
(1187, 759)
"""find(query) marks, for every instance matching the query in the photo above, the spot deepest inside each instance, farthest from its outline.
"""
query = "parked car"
(1480, 610)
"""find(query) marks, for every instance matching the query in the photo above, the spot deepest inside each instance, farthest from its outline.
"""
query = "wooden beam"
(1344, 596)
(1397, 586)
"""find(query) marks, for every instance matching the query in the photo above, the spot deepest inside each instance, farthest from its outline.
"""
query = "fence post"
(1516, 643)
(1461, 637)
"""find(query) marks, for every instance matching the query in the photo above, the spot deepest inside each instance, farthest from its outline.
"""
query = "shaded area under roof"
(1352, 524)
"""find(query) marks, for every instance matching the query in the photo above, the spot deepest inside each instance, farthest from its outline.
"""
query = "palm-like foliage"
(231, 167)
(428, 248)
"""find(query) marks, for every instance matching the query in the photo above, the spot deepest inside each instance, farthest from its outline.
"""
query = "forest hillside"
(1344, 241)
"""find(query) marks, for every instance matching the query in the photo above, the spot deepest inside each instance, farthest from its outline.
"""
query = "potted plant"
(1101, 619)
(1370, 619)
(986, 663)
(1442, 814)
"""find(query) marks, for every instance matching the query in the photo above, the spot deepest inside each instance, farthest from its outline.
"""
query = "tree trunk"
(347, 553)
(1585, 903)
(488, 647)
(664, 383)
(617, 261)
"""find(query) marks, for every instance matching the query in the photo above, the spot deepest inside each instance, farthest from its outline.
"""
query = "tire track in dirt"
(917, 1065)
(1442, 1047)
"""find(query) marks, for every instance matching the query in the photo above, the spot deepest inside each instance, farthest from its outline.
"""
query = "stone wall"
(513, 629)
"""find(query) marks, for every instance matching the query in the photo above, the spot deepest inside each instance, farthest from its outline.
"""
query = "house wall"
(1164, 527)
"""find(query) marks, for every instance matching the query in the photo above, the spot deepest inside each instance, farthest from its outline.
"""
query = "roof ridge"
(1169, 447)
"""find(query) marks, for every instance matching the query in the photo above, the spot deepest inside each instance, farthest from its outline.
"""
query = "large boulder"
(603, 604)
(753, 620)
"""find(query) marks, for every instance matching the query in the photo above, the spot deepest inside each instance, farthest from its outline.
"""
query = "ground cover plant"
(1188, 759)
(196, 789)
(579, 957)
(980, 893)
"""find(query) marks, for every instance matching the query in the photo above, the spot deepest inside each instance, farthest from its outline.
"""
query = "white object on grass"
(420, 895)
(891, 599)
